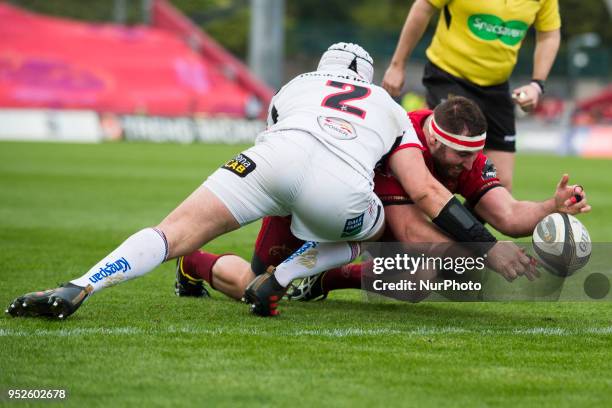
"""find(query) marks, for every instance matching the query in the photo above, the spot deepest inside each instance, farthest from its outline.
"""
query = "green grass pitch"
(62, 207)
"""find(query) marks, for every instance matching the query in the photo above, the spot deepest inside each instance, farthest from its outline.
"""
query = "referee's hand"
(393, 81)
(527, 97)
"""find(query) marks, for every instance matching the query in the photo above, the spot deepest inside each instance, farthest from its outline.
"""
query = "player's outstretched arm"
(448, 214)
(416, 22)
(518, 218)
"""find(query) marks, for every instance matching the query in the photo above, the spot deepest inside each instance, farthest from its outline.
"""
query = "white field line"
(340, 332)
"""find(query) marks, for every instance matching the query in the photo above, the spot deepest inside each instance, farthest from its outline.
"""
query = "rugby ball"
(562, 244)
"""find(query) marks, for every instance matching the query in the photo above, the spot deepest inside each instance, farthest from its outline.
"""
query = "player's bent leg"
(250, 186)
(315, 257)
(350, 212)
(232, 196)
(275, 243)
(201, 217)
(232, 275)
(226, 273)
(137, 255)
(504, 163)
(192, 271)
(196, 221)
(405, 223)
(266, 290)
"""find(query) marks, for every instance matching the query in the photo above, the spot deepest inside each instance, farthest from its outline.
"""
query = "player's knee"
(176, 246)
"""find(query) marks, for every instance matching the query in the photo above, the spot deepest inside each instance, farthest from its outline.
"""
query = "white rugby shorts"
(291, 172)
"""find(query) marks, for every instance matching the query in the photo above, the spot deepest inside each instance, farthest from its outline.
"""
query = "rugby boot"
(187, 286)
(58, 303)
(264, 293)
(311, 288)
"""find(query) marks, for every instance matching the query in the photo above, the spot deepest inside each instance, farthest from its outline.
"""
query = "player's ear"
(432, 140)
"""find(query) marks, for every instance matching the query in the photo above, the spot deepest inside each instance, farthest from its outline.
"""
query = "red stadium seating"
(50, 62)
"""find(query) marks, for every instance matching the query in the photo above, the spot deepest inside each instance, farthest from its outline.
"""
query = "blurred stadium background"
(204, 70)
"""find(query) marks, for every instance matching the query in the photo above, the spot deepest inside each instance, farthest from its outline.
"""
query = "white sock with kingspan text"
(136, 256)
(315, 257)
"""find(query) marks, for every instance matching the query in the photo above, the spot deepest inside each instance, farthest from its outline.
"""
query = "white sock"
(315, 257)
(137, 255)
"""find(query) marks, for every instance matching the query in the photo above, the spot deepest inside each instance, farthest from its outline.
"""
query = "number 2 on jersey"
(350, 93)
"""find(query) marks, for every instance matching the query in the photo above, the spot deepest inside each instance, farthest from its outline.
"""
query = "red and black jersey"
(471, 184)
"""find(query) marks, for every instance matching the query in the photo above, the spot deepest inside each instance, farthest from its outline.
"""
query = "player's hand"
(570, 199)
(510, 261)
(527, 97)
(393, 81)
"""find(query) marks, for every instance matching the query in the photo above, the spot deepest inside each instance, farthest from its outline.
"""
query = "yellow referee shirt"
(478, 40)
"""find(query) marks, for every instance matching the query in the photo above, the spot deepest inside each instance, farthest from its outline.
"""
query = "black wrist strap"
(540, 84)
(461, 225)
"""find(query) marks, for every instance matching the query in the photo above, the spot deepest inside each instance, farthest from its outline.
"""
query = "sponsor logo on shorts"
(353, 226)
(240, 165)
(490, 28)
(338, 128)
(111, 268)
(510, 138)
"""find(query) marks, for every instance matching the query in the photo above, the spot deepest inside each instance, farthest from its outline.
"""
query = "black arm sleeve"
(460, 224)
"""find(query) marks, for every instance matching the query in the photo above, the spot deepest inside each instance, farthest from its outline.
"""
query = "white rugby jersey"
(356, 120)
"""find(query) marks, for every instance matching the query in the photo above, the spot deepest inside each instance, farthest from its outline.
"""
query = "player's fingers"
(532, 272)
(528, 272)
(533, 267)
(524, 258)
(576, 201)
(564, 181)
(585, 209)
(529, 275)
(519, 268)
(581, 204)
(510, 274)
(579, 193)
(576, 198)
